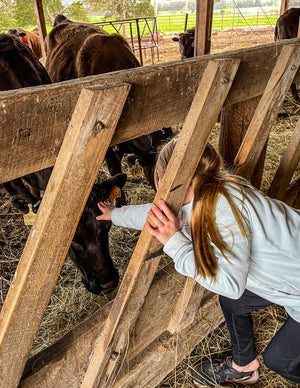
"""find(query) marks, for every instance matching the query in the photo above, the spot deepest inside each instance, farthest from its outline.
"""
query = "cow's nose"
(110, 286)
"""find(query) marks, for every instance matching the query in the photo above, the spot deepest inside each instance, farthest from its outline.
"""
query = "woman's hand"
(106, 210)
(166, 222)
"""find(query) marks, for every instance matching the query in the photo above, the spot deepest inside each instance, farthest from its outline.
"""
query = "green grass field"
(170, 23)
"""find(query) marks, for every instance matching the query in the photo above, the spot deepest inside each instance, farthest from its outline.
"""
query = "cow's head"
(89, 249)
(186, 43)
(20, 34)
(60, 19)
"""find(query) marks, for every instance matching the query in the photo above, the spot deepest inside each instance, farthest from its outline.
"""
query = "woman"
(240, 244)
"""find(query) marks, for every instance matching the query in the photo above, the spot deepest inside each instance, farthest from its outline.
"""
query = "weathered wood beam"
(267, 110)
(161, 96)
(187, 306)
(69, 186)
(40, 20)
(287, 166)
(283, 6)
(61, 364)
(152, 365)
(111, 345)
(204, 15)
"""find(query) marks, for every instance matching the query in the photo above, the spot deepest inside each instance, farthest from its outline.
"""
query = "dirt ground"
(221, 41)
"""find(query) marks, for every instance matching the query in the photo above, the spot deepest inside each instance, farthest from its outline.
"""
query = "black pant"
(282, 355)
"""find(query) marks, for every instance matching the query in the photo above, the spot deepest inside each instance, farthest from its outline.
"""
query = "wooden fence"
(120, 346)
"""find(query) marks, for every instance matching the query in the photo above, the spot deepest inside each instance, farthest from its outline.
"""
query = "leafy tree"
(51, 9)
(24, 13)
(6, 14)
(122, 9)
(76, 12)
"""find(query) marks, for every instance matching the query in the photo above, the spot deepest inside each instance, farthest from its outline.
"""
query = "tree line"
(20, 13)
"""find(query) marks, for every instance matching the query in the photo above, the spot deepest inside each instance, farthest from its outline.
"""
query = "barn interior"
(74, 317)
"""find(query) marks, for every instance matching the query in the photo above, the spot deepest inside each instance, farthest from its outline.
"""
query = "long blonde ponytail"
(209, 182)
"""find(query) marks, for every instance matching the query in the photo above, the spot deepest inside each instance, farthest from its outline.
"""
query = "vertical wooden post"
(86, 141)
(204, 14)
(111, 345)
(283, 7)
(287, 166)
(277, 87)
(40, 20)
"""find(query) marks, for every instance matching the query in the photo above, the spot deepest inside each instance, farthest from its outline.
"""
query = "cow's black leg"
(294, 92)
(113, 162)
(20, 195)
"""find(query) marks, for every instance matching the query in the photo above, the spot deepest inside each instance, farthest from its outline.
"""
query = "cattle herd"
(77, 50)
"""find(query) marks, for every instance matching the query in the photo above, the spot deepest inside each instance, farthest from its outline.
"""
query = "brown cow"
(30, 38)
(287, 28)
(77, 50)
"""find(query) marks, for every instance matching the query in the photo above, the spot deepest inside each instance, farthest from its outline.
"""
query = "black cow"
(19, 67)
(287, 28)
(186, 43)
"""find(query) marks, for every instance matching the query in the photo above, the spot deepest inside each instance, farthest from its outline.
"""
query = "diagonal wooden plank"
(112, 343)
(267, 110)
(74, 173)
(287, 166)
(186, 307)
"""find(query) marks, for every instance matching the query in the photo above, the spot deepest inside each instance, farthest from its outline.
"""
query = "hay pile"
(71, 303)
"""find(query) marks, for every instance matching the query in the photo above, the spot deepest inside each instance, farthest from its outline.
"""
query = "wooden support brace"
(267, 110)
(40, 20)
(113, 341)
(287, 166)
(73, 176)
(292, 195)
(185, 311)
(204, 15)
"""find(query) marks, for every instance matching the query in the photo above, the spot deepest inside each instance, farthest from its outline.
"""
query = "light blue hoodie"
(267, 263)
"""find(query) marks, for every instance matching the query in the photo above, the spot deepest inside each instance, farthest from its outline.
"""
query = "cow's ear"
(118, 180)
(105, 187)
(175, 39)
(115, 192)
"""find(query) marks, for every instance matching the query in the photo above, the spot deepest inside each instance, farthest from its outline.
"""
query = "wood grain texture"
(40, 19)
(161, 95)
(287, 166)
(204, 15)
(113, 341)
(267, 110)
(68, 189)
(61, 364)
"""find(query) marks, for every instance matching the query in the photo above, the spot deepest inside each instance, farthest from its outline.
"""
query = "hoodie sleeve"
(232, 270)
(132, 216)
